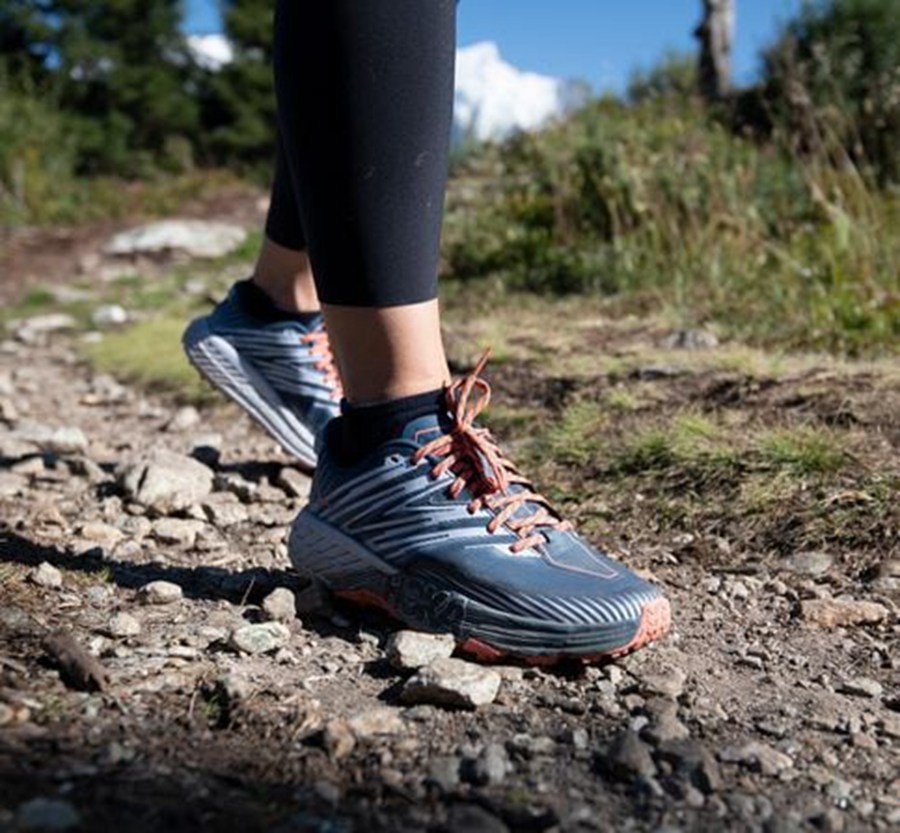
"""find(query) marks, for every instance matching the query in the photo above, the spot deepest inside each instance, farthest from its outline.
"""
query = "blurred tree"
(125, 69)
(716, 33)
(238, 100)
(25, 42)
(832, 79)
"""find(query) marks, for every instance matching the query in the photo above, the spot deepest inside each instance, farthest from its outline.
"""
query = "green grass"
(149, 354)
(803, 451)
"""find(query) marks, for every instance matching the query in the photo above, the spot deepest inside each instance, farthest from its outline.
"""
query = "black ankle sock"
(261, 306)
(362, 428)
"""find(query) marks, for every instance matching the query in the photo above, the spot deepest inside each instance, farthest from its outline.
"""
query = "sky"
(600, 41)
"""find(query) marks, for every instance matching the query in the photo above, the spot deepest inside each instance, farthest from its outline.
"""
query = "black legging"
(365, 101)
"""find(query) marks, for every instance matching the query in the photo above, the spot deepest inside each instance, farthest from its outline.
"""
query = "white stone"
(109, 315)
(46, 575)
(167, 481)
(65, 439)
(452, 682)
(197, 238)
(382, 721)
(183, 419)
(280, 605)
(177, 531)
(160, 593)
(259, 639)
(294, 483)
(123, 624)
(224, 510)
(32, 329)
(413, 649)
(101, 533)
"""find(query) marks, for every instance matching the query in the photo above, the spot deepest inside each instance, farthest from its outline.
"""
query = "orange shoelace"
(320, 347)
(479, 464)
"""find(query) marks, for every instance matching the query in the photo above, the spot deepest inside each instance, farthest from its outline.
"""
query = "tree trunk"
(716, 33)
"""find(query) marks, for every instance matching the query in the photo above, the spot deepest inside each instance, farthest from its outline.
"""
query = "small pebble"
(862, 687)
(46, 575)
(160, 593)
(413, 649)
(259, 639)
(280, 605)
(123, 625)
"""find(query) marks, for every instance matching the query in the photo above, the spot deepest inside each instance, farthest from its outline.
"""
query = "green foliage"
(674, 76)
(832, 80)
(656, 201)
(124, 69)
(37, 152)
(238, 101)
(24, 41)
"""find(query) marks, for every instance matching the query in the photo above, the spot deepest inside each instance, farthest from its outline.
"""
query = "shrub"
(832, 80)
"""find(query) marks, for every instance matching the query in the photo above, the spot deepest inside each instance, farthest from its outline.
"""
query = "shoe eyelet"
(396, 459)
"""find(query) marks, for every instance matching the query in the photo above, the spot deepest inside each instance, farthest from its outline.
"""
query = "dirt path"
(773, 706)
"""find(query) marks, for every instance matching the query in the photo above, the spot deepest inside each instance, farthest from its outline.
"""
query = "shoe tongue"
(424, 429)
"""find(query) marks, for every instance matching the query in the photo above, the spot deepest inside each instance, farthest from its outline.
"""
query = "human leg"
(283, 269)
(365, 104)
(413, 505)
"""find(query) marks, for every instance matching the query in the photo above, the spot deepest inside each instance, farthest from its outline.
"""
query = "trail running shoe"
(281, 372)
(439, 529)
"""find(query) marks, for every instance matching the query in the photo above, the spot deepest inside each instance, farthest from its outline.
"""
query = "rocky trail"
(163, 668)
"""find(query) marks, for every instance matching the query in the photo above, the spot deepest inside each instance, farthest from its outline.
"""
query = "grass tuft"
(149, 354)
(802, 451)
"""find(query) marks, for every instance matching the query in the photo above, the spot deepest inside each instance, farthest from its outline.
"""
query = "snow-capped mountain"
(493, 98)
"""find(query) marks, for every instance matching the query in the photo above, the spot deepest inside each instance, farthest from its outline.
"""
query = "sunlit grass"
(149, 354)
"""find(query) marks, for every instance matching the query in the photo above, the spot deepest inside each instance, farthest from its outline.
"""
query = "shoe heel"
(318, 550)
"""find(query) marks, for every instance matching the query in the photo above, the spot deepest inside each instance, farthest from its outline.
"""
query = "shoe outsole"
(655, 622)
(222, 366)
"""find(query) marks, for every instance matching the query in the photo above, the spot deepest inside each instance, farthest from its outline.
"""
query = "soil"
(772, 705)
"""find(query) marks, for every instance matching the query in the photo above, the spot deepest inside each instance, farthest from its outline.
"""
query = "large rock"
(452, 682)
(167, 482)
(197, 238)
